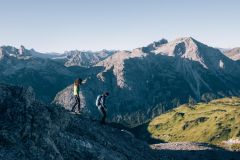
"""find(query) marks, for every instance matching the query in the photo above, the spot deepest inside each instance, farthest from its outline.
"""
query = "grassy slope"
(213, 122)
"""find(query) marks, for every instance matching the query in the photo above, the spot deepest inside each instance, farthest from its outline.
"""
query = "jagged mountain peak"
(85, 58)
(191, 49)
(15, 52)
(185, 47)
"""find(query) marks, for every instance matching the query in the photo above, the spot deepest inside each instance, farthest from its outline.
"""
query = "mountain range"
(142, 83)
(68, 58)
(147, 81)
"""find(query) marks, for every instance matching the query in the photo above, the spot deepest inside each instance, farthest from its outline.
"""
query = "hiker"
(77, 83)
(100, 103)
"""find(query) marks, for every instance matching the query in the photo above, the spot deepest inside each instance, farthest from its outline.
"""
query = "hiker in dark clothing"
(76, 87)
(100, 103)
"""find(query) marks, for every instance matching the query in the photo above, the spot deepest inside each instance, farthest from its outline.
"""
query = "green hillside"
(213, 122)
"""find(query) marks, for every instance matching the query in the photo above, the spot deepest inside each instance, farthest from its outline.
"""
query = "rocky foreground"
(32, 130)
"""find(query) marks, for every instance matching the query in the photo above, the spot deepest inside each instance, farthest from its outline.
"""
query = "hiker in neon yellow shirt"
(76, 87)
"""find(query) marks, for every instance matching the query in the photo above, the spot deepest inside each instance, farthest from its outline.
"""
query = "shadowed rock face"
(46, 77)
(32, 130)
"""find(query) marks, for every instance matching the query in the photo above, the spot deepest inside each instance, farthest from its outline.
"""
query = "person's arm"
(105, 108)
(102, 101)
(84, 81)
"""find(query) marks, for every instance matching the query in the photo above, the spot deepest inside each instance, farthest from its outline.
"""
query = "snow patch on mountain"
(221, 64)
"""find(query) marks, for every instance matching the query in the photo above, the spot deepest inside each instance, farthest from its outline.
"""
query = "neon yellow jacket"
(76, 90)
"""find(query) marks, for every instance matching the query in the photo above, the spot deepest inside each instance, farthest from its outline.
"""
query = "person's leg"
(78, 102)
(103, 121)
(73, 108)
(100, 110)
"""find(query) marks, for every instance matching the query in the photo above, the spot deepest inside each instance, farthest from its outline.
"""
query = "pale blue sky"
(59, 25)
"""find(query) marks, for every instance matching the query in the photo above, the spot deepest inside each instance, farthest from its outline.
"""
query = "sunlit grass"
(213, 122)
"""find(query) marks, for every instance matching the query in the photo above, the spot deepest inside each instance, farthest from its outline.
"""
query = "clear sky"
(60, 25)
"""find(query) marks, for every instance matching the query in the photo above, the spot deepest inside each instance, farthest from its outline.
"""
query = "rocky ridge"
(32, 130)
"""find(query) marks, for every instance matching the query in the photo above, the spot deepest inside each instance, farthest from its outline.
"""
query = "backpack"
(98, 100)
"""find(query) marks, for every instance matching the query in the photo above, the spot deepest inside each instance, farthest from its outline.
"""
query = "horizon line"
(98, 50)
